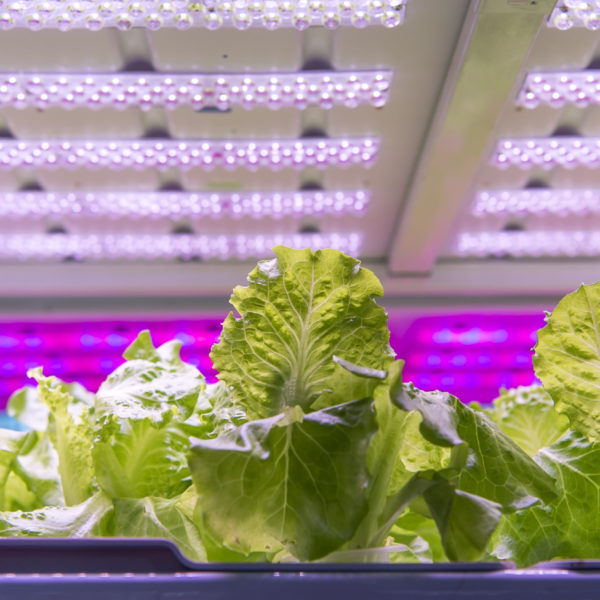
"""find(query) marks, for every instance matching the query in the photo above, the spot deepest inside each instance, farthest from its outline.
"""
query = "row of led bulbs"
(554, 90)
(242, 15)
(148, 90)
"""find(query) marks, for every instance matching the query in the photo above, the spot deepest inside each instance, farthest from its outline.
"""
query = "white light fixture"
(557, 89)
(568, 152)
(576, 13)
(536, 202)
(57, 246)
(180, 205)
(528, 244)
(185, 154)
(147, 90)
(211, 14)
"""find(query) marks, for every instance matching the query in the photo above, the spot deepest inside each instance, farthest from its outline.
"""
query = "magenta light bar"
(576, 13)
(181, 205)
(537, 202)
(532, 244)
(164, 154)
(557, 89)
(212, 14)
(147, 90)
(56, 246)
(470, 355)
(568, 152)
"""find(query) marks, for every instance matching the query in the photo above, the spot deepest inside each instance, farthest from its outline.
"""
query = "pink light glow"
(470, 355)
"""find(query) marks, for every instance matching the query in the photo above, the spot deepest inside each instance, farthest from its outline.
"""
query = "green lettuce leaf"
(292, 480)
(490, 464)
(215, 413)
(299, 310)
(137, 457)
(87, 519)
(567, 358)
(11, 443)
(26, 406)
(158, 518)
(465, 521)
(140, 443)
(70, 431)
(569, 526)
(397, 452)
(528, 417)
(153, 383)
(415, 524)
(36, 465)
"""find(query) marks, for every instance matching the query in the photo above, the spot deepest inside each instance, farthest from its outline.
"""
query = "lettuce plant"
(312, 447)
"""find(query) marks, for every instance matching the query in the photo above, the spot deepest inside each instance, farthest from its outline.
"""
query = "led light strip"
(576, 13)
(164, 154)
(537, 202)
(531, 244)
(180, 205)
(151, 247)
(568, 152)
(147, 90)
(212, 14)
(556, 89)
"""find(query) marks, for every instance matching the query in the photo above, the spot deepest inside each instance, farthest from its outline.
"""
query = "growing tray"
(128, 569)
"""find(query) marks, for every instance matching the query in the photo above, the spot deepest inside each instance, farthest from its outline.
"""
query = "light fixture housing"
(559, 151)
(119, 247)
(185, 154)
(528, 244)
(168, 205)
(560, 88)
(210, 14)
(537, 202)
(324, 89)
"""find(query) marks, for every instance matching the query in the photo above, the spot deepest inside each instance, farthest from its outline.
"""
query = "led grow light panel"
(180, 205)
(86, 351)
(576, 13)
(560, 88)
(211, 14)
(537, 202)
(60, 246)
(470, 355)
(567, 152)
(185, 154)
(530, 244)
(147, 90)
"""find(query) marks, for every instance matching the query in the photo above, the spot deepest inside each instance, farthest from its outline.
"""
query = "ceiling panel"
(455, 71)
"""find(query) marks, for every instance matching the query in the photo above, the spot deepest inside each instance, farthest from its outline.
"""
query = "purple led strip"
(572, 243)
(567, 152)
(180, 205)
(147, 90)
(184, 14)
(470, 355)
(57, 246)
(537, 201)
(557, 89)
(185, 154)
